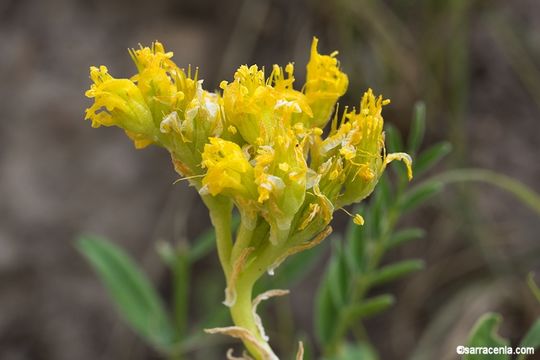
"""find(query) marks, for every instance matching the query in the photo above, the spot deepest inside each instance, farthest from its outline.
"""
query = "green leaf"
(418, 127)
(429, 158)
(338, 276)
(203, 244)
(394, 142)
(180, 283)
(378, 216)
(355, 244)
(395, 271)
(400, 237)
(360, 351)
(130, 289)
(383, 192)
(419, 194)
(367, 308)
(215, 318)
(484, 334)
(326, 314)
(531, 339)
(533, 286)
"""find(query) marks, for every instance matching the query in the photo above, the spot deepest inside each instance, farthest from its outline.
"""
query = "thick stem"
(221, 217)
(242, 314)
(242, 310)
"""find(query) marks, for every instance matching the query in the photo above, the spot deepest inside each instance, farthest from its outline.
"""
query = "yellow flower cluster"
(259, 141)
(257, 144)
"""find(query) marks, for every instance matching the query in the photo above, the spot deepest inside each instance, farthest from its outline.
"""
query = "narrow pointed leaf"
(419, 194)
(406, 235)
(418, 128)
(326, 314)
(394, 142)
(430, 157)
(338, 276)
(395, 271)
(533, 286)
(369, 307)
(130, 289)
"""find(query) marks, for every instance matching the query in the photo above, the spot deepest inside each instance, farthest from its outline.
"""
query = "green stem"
(242, 314)
(242, 310)
(516, 188)
(221, 217)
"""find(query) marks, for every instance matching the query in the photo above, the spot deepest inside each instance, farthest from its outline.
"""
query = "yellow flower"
(247, 102)
(254, 142)
(160, 104)
(228, 170)
(119, 102)
(292, 99)
(280, 174)
(258, 146)
(257, 106)
(325, 84)
(359, 141)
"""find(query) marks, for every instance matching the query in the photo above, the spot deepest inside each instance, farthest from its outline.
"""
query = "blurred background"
(475, 63)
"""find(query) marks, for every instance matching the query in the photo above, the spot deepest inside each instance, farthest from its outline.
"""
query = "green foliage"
(531, 339)
(403, 236)
(395, 271)
(360, 351)
(342, 302)
(137, 301)
(533, 286)
(484, 334)
(178, 261)
(130, 289)
(355, 267)
(206, 242)
(418, 128)
(293, 270)
(430, 157)
(419, 194)
(368, 308)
